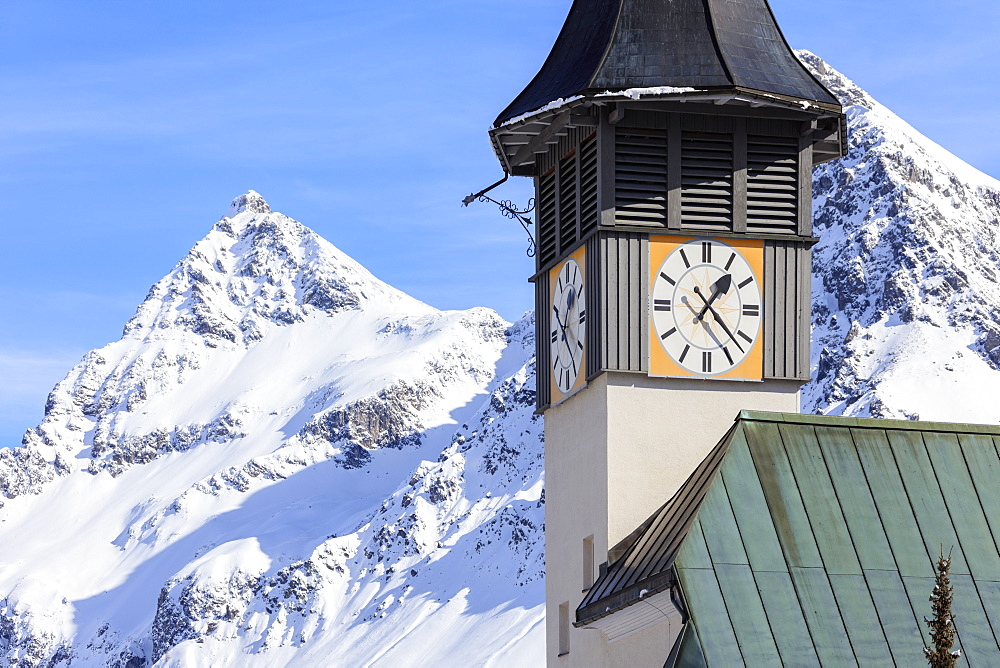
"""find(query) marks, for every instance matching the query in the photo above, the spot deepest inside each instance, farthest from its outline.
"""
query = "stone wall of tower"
(614, 453)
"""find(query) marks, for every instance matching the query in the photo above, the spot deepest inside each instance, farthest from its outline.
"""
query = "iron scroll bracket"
(509, 210)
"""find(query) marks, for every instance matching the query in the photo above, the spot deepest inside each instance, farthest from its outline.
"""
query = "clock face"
(567, 331)
(705, 308)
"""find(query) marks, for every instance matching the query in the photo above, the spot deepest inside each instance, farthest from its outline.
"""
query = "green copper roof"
(813, 540)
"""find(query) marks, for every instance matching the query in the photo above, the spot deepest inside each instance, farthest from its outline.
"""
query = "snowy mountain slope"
(267, 469)
(906, 300)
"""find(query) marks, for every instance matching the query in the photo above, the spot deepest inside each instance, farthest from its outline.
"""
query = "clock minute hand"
(721, 287)
(725, 327)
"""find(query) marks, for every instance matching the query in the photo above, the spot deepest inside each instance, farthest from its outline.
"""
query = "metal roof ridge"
(868, 423)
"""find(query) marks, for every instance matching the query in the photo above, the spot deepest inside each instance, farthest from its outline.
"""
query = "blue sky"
(126, 128)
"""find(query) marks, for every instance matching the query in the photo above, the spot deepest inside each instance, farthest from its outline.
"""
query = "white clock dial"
(567, 331)
(706, 307)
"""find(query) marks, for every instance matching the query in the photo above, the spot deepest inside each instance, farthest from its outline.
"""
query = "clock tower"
(671, 143)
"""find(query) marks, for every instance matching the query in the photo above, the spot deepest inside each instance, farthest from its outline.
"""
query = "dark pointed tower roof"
(708, 45)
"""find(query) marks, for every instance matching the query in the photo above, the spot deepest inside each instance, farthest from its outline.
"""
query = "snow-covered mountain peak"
(256, 270)
(259, 286)
(905, 281)
(251, 201)
(849, 93)
(279, 442)
(858, 102)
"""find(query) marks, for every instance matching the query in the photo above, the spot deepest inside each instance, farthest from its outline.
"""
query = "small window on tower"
(588, 562)
(563, 629)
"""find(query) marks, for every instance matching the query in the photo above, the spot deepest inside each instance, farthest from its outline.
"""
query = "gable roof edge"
(669, 525)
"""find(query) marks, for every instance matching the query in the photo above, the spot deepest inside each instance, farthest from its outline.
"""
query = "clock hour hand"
(721, 287)
(565, 337)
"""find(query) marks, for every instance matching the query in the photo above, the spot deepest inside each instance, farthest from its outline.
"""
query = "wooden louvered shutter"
(546, 218)
(588, 185)
(707, 180)
(567, 178)
(641, 176)
(772, 184)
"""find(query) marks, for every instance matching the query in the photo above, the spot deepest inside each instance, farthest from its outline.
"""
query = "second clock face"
(705, 307)
(567, 330)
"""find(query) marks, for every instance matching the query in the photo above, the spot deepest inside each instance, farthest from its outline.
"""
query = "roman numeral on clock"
(751, 309)
(555, 335)
(706, 252)
(728, 356)
(661, 305)
(667, 279)
(706, 362)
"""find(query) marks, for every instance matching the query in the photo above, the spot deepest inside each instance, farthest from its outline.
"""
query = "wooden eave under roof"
(811, 540)
(519, 141)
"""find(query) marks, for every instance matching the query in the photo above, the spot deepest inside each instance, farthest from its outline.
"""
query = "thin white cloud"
(30, 374)
(28, 377)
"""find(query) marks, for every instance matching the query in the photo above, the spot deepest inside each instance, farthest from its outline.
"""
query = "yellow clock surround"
(696, 328)
(567, 327)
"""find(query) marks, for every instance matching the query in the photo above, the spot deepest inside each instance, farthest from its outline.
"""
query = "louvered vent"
(588, 185)
(546, 218)
(707, 180)
(567, 202)
(772, 184)
(641, 176)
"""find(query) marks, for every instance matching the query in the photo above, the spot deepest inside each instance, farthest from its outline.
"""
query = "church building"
(693, 518)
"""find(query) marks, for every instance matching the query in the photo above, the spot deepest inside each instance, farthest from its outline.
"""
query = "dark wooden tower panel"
(686, 172)
(654, 171)
(566, 195)
(712, 173)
